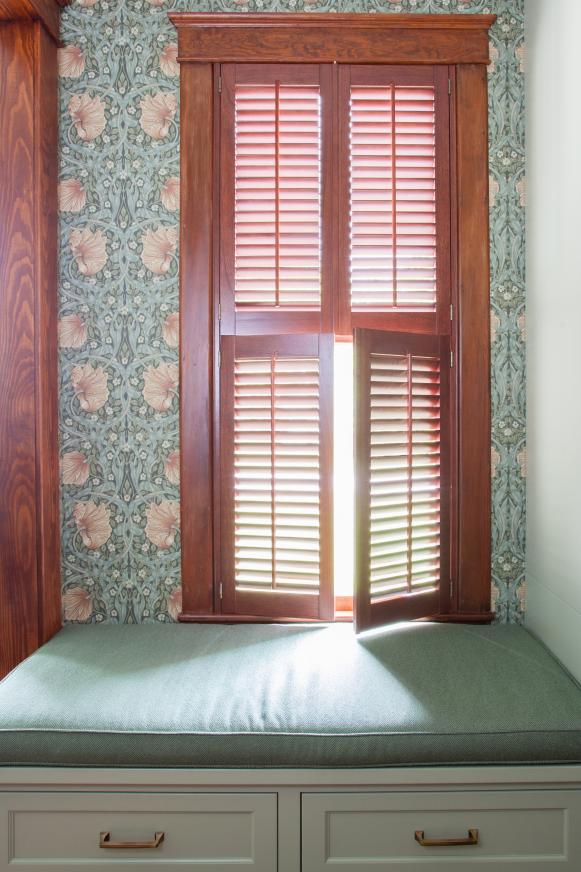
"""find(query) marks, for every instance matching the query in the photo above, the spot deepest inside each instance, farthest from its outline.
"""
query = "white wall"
(554, 326)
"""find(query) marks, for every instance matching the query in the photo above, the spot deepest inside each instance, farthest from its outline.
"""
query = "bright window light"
(344, 471)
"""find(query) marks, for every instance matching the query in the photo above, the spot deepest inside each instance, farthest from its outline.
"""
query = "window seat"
(289, 696)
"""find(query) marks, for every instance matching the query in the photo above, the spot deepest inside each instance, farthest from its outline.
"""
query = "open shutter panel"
(276, 475)
(402, 476)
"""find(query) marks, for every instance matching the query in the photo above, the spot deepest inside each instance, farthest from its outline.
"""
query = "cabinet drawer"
(215, 831)
(517, 830)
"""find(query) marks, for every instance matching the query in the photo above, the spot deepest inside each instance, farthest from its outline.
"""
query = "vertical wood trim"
(196, 336)
(443, 183)
(18, 584)
(343, 325)
(46, 313)
(362, 426)
(326, 521)
(328, 195)
(473, 355)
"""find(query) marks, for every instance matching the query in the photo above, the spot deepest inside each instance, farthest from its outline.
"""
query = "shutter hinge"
(451, 359)
(449, 86)
(451, 587)
(219, 358)
(221, 591)
(451, 312)
(219, 311)
(219, 84)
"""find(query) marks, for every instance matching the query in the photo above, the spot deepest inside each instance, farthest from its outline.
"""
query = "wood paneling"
(197, 346)
(473, 341)
(46, 11)
(29, 511)
(361, 39)
(18, 567)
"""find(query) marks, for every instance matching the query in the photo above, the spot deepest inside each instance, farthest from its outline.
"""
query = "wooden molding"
(197, 347)
(472, 595)
(323, 38)
(46, 11)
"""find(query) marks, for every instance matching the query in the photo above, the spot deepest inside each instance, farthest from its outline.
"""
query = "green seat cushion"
(289, 696)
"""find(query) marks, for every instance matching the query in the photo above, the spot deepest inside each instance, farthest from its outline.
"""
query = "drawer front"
(216, 831)
(517, 830)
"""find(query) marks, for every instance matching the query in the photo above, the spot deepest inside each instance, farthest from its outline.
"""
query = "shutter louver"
(393, 198)
(276, 470)
(277, 192)
(280, 483)
(402, 396)
(404, 474)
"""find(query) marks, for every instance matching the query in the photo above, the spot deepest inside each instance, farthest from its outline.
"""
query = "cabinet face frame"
(290, 785)
(204, 42)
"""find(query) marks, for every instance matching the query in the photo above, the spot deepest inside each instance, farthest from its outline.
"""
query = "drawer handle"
(471, 839)
(105, 842)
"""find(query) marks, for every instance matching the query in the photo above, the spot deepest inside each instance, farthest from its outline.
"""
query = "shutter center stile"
(391, 136)
(273, 465)
(277, 193)
(409, 424)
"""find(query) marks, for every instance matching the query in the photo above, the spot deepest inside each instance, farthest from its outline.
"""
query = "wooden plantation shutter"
(322, 196)
(402, 449)
(276, 382)
(274, 190)
(276, 476)
(396, 155)
(395, 199)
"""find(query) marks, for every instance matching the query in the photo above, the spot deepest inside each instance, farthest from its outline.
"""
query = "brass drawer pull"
(105, 842)
(472, 839)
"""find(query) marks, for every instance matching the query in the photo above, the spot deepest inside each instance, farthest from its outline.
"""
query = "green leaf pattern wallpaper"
(118, 329)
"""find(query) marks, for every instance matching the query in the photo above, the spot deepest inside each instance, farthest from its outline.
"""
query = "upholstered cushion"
(253, 696)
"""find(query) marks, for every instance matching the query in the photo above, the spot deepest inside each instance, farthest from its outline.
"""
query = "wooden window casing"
(334, 54)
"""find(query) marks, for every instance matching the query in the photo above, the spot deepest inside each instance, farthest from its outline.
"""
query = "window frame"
(459, 41)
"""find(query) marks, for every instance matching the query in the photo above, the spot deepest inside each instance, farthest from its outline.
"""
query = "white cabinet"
(65, 820)
(463, 830)
(215, 832)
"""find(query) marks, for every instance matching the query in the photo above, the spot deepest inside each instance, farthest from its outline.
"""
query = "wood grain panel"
(29, 512)
(380, 39)
(197, 346)
(46, 11)
(474, 525)
(18, 589)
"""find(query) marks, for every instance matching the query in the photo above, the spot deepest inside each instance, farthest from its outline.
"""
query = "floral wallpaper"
(118, 331)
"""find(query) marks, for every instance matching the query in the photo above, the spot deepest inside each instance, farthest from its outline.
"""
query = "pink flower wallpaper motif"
(159, 247)
(71, 61)
(119, 304)
(77, 604)
(168, 59)
(89, 249)
(163, 522)
(92, 523)
(72, 195)
(72, 331)
(171, 330)
(171, 468)
(170, 194)
(90, 387)
(88, 115)
(157, 113)
(75, 468)
(160, 386)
